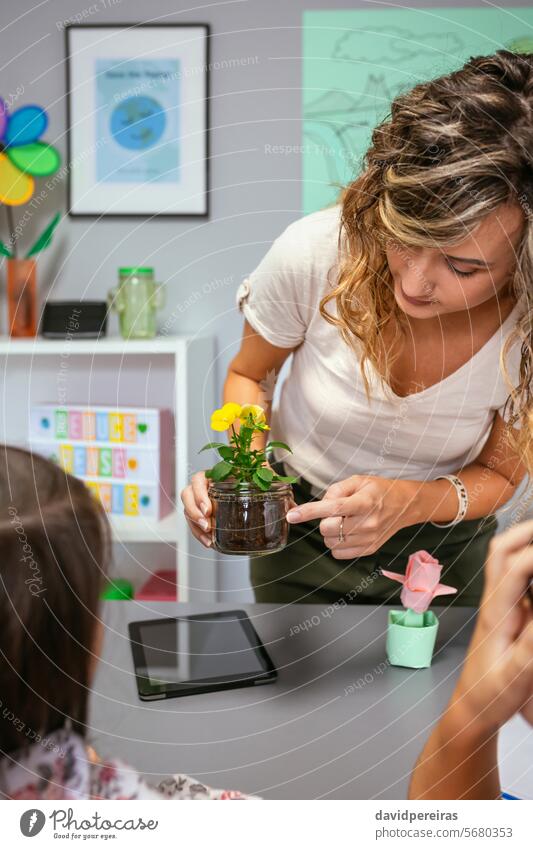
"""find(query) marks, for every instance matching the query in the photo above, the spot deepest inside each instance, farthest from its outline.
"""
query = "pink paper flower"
(420, 582)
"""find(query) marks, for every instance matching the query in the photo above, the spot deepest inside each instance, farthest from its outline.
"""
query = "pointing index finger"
(317, 510)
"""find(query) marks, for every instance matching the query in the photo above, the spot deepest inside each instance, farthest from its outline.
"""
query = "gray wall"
(255, 194)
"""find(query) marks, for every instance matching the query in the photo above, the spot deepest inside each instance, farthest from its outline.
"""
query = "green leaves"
(244, 464)
(4, 251)
(265, 474)
(226, 452)
(221, 470)
(277, 445)
(245, 436)
(262, 484)
(213, 445)
(45, 238)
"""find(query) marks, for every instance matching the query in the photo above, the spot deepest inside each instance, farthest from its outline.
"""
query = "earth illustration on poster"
(137, 124)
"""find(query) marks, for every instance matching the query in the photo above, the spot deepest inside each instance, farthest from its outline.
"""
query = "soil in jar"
(251, 521)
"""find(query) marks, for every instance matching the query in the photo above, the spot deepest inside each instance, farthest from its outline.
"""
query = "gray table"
(339, 723)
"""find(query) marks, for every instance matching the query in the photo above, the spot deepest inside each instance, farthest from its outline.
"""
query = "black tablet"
(198, 654)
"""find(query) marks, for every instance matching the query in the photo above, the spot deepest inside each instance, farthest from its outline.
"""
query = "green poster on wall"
(355, 62)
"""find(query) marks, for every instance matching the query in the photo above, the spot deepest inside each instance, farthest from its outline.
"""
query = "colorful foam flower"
(420, 582)
(22, 155)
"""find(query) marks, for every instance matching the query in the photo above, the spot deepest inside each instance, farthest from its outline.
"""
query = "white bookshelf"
(38, 346)
(29, 366)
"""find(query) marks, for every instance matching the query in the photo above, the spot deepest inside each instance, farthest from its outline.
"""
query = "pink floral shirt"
(60, 768)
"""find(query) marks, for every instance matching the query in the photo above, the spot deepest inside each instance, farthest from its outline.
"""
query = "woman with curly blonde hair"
(406, 307)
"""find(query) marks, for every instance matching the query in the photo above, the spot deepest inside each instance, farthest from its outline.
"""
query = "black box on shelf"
(77, 319)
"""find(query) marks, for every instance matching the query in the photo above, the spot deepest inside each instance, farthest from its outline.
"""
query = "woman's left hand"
(374, 509)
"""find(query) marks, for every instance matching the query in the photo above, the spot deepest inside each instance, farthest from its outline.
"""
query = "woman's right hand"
(197, 507)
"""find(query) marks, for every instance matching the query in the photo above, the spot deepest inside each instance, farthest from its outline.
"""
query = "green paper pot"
(411, 647)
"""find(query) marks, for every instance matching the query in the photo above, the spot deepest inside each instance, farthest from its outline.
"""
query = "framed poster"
(137, 99)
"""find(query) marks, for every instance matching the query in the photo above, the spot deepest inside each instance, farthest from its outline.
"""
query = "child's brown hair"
(54, 549)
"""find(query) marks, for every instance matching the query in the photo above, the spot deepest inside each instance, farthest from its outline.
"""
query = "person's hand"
(497, 677)
(374, 509)
(198, 508)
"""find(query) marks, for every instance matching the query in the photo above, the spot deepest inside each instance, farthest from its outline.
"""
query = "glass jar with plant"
(249, 500)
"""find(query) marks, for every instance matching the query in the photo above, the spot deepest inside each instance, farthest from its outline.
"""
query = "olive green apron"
(306, 572)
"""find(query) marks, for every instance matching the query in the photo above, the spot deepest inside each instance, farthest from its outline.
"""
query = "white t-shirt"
(323, 413)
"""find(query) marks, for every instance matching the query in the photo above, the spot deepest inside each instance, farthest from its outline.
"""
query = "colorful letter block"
(125, 455)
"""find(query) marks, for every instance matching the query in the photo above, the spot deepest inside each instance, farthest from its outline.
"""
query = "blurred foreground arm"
(460, 759)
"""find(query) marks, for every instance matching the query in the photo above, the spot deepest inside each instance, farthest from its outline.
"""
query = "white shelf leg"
(194, 401)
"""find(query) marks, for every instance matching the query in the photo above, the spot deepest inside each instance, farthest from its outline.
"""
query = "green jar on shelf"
(136, 299)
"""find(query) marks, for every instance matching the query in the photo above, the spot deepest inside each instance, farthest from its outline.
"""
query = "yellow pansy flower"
(224, 417)
(258, 414)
